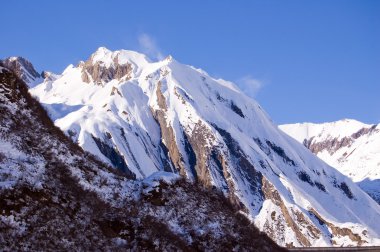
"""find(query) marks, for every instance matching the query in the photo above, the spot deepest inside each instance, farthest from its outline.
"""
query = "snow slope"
(143, 116)
(350, 146)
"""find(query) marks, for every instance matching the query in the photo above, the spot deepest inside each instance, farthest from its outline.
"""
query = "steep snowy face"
(350, 146)
(166, 116)
(23, 69)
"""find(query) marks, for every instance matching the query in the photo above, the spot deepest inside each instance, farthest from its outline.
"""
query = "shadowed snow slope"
(352, 147)
(54, 196)
(143, 116)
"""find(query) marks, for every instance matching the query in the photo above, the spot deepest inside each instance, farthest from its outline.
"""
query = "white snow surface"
(125, 122)
(360, 160)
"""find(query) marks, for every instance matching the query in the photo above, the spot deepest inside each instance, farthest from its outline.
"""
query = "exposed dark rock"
(302, 175)
(337, 231)
(320, 186)
(263, 147)
(320, 221)
(305, 177)
(271, 193)
(262, 164)
(116, 90)
(47, 76)
(167, 163)
(198, 139)
(244, 166)
(302, 221)
(280, 151)
(220, 98)
(114, 156)
(232, 145)
(231, 104)
(137, 165)
(182, 95)
(363, 131)
(86, 77)
(236, 109)
(167, 133)
(161, 98)
(345, 189)
(22, 68)
(101, 74)
(192, 159)
(331, 145)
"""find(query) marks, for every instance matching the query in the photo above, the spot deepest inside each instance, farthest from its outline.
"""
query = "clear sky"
(302, 60)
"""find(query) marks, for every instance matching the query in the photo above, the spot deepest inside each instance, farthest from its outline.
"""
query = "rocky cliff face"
(55, 195)
(99, 74)
(97, 71)
(172, 117)
(350, 146)
(23, 69)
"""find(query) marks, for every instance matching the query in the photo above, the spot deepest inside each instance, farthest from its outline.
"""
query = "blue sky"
(302, 60)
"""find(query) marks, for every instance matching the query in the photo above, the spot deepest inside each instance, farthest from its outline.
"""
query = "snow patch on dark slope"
(166, 107)
(54, 196)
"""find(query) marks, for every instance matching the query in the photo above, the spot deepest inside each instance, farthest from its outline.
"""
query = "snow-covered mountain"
(24, 70)
(143, 116)
(54, 196)
(350, 146)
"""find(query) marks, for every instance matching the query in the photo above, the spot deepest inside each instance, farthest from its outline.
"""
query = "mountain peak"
(102, 49)
(101, 54)
(23, 69)
(105, 65)
(169, 58)
(110, 58)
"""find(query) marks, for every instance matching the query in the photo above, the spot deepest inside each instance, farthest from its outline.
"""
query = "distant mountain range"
(350, 146)
(144, 117)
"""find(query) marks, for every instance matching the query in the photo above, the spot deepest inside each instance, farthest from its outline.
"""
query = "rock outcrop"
(22, 68)
(100, 72)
